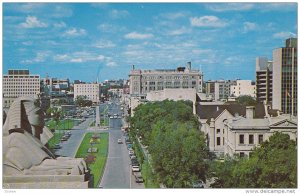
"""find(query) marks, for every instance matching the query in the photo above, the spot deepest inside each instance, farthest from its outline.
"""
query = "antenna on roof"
(98, 70)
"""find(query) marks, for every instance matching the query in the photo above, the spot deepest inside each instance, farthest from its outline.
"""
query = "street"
(117, 173)
(70, 146)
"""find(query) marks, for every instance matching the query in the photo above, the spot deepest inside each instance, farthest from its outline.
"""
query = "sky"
(89, 40)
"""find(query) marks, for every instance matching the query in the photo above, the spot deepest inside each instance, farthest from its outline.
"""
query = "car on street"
(198, 184)
(111, 117)
(135, 168)
(131, 152)
(134, 162)
(120, 141)
(56, 146)
(129, 146)
(138, 177)
(132, 156)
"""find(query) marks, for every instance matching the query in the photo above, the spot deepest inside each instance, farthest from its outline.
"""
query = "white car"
(135, 169)
(119, 141)
(111, 117)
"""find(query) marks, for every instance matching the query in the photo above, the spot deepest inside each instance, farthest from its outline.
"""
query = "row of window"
(250, 139)
(166, 77)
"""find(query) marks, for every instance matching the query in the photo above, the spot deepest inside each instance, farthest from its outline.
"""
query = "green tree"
(178, 149)
(82, 101)
(246, 100)
(272, 165)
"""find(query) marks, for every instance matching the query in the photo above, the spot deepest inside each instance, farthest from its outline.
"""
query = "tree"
(273, 165)
(55, 113)
(246, 100)
(178, 149)
(83, 101)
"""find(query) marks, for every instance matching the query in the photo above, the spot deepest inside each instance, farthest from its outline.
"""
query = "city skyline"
(80, 40)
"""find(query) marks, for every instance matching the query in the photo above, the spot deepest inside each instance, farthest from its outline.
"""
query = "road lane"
(117, 172)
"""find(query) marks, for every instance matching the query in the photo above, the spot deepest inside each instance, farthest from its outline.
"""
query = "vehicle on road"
(198, 184)
(56, 146)
(131, 152)
(120, 141)
(138, 177)
(111, 117)
(135, 169)
(129, 146)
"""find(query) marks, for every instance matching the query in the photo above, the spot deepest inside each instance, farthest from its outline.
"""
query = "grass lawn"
(63, 124)
(54, 140)
(104, 122)
(97, 168)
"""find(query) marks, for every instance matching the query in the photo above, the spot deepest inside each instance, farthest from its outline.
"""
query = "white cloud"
(111, 64)
(76, 60)
(104, 44)
(33, 22)
(135, 35)
(208, 21)
(283, 35)
(249, 26)
(60, 25)
(72, 32)
(39, 58)
(27, 43)
(201, 51)
(280, 6)
(116, 14)
(223, 7)
(180, 31)
(173, 16)
(84, 57)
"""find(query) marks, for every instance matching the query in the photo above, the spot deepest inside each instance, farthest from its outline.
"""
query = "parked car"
(138, 177)
(56, 146)
(120, 141)
(131, 152)
(129, 146)
(134, 162)
(198, 184)
(132, 156)
(135, 168)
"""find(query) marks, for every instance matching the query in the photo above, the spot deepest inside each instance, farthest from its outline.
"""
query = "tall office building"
(219, 89)
(91, 91)
(19, 83)
(144, 81)
(285, 77)
(264, 76)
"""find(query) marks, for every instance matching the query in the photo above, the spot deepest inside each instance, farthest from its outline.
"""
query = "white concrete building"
(91, 91)
(19, 83)
(243, 87)
(242, 135)
(144, 81)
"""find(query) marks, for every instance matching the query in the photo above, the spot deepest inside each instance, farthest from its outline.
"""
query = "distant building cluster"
(230, 128)
(144, 81)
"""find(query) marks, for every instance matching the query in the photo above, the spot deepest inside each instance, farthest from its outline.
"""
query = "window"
(260, 139)
(242, 154)
(218, 141)
(218, 130)
(241, 139)
(251, 139)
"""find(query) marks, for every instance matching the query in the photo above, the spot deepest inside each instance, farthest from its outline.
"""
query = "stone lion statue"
(24, 139)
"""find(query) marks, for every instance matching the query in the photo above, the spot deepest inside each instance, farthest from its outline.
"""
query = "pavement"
(117, 172)
(70, 146)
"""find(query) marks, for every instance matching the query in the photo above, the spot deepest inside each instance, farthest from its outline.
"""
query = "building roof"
(245, 123)
(213, 111)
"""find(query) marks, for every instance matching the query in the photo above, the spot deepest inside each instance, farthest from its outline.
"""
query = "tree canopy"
(272, 165)
(177, 147)
(82, 101)
(246, 100)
